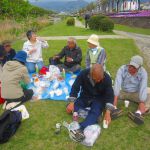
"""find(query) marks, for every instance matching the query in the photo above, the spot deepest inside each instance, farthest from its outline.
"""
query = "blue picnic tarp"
(52, 90)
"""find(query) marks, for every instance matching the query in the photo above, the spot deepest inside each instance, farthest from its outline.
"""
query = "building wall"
(142, 22)
(129, 5)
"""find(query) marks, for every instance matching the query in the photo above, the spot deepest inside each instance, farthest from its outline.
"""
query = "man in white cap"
(95, 53)
(131, 84)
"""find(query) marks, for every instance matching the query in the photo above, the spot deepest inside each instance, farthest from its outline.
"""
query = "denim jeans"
(96, 106)
(31, 66)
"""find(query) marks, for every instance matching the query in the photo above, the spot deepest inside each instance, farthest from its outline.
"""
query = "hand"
(55, 57)
(142, 107)
(69, 59)
(107, 117)
(32, 50)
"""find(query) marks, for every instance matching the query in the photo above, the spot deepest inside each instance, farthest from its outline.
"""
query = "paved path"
(84, 37)
(78, 23)
(142, 41)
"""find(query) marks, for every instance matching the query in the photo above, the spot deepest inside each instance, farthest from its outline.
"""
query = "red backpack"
(1, 99)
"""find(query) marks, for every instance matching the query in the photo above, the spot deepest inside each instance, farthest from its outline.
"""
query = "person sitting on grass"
(95, 53)
(2, 56)
(10, 53)
(72, 54)
(131, 84)
(14, 72)
(33, 47)
(96, 92)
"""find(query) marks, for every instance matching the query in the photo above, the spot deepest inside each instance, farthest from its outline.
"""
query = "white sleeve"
(25, 48)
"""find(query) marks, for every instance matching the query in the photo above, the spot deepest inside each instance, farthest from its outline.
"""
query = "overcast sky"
(57, 0)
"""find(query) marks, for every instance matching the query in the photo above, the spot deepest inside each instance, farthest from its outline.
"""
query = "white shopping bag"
(91, 134)
(23, 110)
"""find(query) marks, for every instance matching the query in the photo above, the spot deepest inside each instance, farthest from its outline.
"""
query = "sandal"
(136, 118)
(116, 113)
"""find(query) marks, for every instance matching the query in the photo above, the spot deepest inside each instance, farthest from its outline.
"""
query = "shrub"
(101, 22)
(107, 24)
(70, 22)
(95, 22)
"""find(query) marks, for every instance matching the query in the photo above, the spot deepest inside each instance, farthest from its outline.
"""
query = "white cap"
(136, 61)
(93, 39)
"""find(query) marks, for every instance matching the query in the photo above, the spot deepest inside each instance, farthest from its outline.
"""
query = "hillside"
(58, 6)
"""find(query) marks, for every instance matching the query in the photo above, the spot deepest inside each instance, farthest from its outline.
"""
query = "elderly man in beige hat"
(95, 53)
(131, 84)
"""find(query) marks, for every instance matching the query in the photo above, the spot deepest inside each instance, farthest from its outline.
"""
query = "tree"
(20, 9)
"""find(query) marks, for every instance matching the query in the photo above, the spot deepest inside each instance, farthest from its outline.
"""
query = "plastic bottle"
(75, 116)
(63, 73)
(37, 69)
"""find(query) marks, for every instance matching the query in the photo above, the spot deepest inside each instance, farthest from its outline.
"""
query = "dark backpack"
(9, 123)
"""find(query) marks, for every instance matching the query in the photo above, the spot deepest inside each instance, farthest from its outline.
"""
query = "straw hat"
(93, 39)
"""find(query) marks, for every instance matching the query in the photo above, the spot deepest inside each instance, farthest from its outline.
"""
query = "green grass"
(61, 29)
(132, 29)
(38, 131)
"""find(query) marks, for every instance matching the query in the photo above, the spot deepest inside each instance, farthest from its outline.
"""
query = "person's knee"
(30, 67)
(40, 65)
(97, 108)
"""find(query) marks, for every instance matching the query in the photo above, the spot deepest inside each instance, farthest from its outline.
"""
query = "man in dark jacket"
(87, 18)
(2, 55)
(95, 87)
(10, 53)
(72, 54)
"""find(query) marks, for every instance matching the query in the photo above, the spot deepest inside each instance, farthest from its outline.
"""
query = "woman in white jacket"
(33, 47)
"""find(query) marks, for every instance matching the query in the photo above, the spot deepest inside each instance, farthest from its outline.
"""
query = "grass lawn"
(61, 29)
(38, 131)
(131, 29)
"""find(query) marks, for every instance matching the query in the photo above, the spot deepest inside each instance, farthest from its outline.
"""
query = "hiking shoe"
(136, 118)
(77, 135)
(116, 113)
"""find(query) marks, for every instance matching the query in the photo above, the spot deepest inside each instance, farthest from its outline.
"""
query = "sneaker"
(77, 135)
(116, 113)
(136, 118)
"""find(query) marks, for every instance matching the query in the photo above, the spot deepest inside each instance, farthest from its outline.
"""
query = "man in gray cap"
(131, 84)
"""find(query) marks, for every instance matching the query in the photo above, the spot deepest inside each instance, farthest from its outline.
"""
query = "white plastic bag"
(23, 110)
(91, 134)
(55, 84)
(54, 72)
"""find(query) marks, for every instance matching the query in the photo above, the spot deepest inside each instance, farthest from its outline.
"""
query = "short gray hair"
(72, 39)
